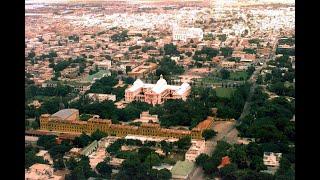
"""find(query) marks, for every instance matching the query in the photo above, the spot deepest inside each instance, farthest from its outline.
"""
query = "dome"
(138, 82)
(160, 86)
(161, 82)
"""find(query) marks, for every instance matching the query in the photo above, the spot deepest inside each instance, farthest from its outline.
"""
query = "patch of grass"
(239, 75)
(224, 92)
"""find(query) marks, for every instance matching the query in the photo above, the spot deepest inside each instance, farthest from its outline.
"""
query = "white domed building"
(156, 93)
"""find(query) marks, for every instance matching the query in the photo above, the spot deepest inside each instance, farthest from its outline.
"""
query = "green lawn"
(224, 92)
(238, 74)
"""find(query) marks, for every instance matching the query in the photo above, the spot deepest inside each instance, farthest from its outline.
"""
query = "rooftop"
(182, 168)
(65, 113)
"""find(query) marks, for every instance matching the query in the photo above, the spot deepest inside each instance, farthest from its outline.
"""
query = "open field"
(224, 92)
(238, 74)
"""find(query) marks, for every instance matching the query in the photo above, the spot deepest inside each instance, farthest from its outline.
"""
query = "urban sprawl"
(159, 89)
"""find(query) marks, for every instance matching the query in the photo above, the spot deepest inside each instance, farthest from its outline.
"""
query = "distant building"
(145, 117)
(104, 65)
(142, 70)
(31, 140)
(70, 72)
(183, 34)
(156, 93)
(272, 161)
(101, 97)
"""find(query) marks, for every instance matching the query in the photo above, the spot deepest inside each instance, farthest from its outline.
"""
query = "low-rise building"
(142, 70)
(272, 161)
(90, 148)
(183, 170)
(70, 72)
(104, 65)
(41, 172)
(45, 155)
(145, 117)
(183, 34)
(197, 147)
(31, 140)
(101, 97)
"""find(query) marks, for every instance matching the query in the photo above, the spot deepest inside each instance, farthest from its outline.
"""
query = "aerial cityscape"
(159, 89)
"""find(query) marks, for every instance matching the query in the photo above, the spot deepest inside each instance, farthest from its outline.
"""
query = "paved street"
(226, 131)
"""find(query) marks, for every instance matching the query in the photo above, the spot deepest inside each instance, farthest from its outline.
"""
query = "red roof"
(225, 161)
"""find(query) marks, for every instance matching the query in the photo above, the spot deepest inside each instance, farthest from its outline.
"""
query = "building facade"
(67, 120)
(183, 34)
(156, 93)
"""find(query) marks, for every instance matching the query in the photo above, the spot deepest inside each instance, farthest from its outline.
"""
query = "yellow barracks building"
(67, 120)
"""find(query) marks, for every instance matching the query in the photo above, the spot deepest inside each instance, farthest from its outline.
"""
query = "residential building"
(103, 65)
(145, 117)
(101, 97)
(197, 147)
(142, 70)
(272, 161)
(41, 172)
(183, 34)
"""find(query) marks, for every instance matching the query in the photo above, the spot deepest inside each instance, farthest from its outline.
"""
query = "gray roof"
(182, 168)
(65, 113)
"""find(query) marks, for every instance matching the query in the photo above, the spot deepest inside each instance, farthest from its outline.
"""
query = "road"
(253, 80)
(226, 131)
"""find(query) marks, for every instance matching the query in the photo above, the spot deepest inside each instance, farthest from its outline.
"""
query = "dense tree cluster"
(120, 37)
(147, 48)
(131, 48)
(139, 166)
(106, 85)
(74, 38)
(246, 161)
(289, 41)
(198, 106)
(70, 62)
(226, 51)
(61, 90)
(286, 51)
(249, 51)
(280, 80)
(80, 169)
(222, 37)
(170, 49)
(31, 158)
(208, 134)
(269, 119)
(254, 41)
(168, 67)
(150, 39)
(225, 74)
(232, 107)
(205, 54)
(208, 37)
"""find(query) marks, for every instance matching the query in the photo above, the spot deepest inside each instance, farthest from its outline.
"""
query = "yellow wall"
(106, 126)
